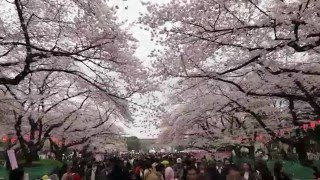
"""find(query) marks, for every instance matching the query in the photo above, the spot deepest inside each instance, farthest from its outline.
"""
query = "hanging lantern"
(54, 139)
(313, 125)
(26, 137)
(305, 127)
(14, 140)
(261, 137)
(238, 139)
(258, 137)
(281, 132)
(243, 140)
(59, 143)
(5, 138)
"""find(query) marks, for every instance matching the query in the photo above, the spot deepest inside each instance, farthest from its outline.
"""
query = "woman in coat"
(156, 174)
(247, 172)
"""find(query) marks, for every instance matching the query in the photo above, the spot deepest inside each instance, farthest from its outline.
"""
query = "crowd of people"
(161, 167)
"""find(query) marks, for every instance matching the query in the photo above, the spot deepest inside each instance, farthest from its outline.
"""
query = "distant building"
(149, 145)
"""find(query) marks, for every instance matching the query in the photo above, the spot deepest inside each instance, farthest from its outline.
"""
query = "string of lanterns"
(26, 137)
(261, 137)
(280, 132)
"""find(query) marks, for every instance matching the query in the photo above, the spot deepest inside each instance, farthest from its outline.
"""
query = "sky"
(128, 11)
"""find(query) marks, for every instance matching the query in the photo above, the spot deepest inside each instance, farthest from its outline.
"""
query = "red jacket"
(76, 176)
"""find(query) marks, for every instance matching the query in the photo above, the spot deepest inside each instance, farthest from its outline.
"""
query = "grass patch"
(47, 162)
(293, 168)
(38, 169)
(3, 173)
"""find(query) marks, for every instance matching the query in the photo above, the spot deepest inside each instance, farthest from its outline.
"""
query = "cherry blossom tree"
(66, 67)
(208, 118)
(49, 105)
(261, 56)
(77, 38)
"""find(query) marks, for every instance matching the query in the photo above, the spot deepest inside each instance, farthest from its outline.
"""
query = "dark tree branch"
(293, 113)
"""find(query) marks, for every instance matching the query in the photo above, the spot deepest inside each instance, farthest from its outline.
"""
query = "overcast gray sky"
(129, 11)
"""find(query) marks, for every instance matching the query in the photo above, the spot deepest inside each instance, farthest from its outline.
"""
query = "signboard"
(12, 159)
(43, 156)
(2, 163)
(313, 156)
(222, 155)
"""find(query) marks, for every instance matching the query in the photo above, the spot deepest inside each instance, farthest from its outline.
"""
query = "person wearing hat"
(53, 177)
(165, 163)
(45, 177)
(178, 169)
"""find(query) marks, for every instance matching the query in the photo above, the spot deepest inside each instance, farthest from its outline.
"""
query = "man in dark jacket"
(102, 172)
(217, 171)
(118, 171)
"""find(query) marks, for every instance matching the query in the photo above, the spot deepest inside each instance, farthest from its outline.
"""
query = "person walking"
(247, 172)
(316, 173)
(192, 173)
(118, 172)
(148, 169)
(67, 175)
(262, 171)
(157, 173)
(279, 173)
(168, 173)
(16, 174)
(203, 172)
(178, 169)
(216, 171)
(233, 173)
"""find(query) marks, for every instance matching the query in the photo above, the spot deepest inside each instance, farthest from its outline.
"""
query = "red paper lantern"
(313, 125)
(281, 132)
(54, 139)
(26, 137)
(14, 140)
(305, 127)
(5, 139)
(257, 138)
(260, 137)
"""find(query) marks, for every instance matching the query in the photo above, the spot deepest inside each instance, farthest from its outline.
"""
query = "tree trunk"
(301, 149)
(30, 154)
(57, 151)
(59, 155)
(24, 147)
(251, 151)
(28, 159)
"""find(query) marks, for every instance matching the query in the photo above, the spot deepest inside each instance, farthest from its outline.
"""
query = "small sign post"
(12, 159)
